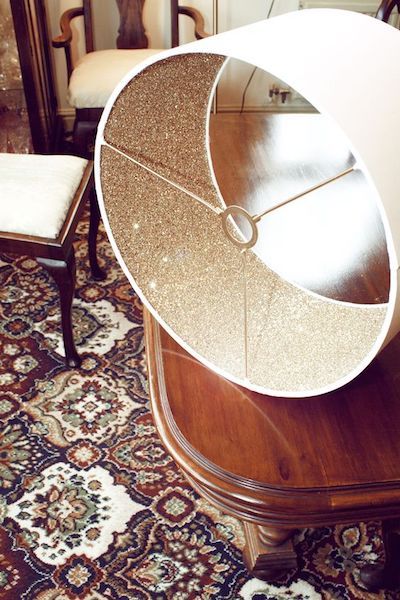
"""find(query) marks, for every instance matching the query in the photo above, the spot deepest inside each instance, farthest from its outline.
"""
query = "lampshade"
(175, 237)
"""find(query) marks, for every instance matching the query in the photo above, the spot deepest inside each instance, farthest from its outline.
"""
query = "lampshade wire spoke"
(258, 217)
(226, 213)
(177, 186)
(245, 313)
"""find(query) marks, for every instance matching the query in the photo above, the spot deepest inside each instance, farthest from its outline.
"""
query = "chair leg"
(83, 138)
(63, 273)
(97, 272)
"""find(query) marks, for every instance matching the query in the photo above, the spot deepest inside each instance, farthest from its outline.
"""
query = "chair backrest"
(131, 32)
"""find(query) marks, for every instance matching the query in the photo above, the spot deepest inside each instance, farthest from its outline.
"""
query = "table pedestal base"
(269, 552)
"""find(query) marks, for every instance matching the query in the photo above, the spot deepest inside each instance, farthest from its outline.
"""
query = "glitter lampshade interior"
(223, 304)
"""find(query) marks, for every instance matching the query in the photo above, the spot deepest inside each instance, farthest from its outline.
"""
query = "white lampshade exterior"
(346, 65)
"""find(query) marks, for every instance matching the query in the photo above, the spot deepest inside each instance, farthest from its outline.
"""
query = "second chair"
(42, 199)
(92, 79)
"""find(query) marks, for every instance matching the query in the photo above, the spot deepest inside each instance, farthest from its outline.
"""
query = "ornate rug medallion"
(72, 512)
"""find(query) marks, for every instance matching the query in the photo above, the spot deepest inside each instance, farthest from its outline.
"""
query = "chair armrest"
(198, 19)
(64, 39)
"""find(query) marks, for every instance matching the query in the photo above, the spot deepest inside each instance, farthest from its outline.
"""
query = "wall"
(232, 92)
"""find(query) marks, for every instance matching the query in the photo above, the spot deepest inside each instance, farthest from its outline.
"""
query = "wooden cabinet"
(29, 106)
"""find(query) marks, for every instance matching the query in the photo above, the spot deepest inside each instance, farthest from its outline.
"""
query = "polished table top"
(293, 461)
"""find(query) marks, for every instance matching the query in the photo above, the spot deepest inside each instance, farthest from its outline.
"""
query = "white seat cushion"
(97, 73)
(36, 192)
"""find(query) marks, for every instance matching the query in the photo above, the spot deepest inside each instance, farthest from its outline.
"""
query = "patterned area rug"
(91, 506)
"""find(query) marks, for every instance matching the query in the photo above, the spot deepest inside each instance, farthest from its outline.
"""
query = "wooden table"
(281, 464)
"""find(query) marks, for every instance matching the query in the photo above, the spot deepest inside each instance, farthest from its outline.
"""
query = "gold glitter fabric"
(173, 248)
(299, 341)
(229, 308)
(160, 119)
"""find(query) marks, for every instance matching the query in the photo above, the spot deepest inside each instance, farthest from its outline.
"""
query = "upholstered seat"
(36, 192)
(41, 201)
(97, 73)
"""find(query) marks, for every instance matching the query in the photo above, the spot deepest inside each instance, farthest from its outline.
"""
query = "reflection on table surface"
(330, 241)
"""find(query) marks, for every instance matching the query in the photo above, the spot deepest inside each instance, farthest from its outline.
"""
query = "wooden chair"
(386, 9)
(41, 199)
(92, 79)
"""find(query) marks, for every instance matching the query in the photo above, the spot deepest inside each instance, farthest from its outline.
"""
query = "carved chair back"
(131, 32)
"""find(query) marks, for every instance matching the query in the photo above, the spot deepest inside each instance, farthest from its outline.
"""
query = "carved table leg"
(387, 575)
(269, 551)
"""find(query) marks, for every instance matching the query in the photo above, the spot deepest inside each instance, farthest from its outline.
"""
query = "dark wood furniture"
(281, 464)
(58, 257)
(31, 33)
(131, 35)
(386, 9)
